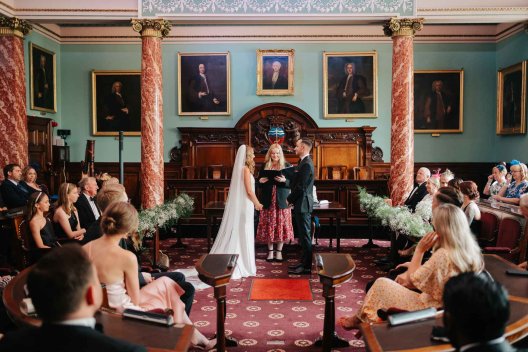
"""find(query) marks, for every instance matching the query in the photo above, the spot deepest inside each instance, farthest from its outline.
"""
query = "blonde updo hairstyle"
(119, 218)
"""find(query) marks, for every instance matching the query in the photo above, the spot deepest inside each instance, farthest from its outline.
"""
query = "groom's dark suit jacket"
(63, 338)
(301, 195)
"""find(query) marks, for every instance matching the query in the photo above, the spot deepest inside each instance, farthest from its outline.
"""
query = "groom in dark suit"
(66, 293)
(301, 197)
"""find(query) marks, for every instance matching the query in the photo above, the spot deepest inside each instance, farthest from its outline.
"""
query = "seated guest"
(424, 207)
(66, 293)
(523, 207)
(447, 195)
(470, 192)
(14, 192)
(445, 177)
(476, 310)
(29, 179)
(420, 188)
(85, 205)
(116, 193)
(40, 227)
(496, 180)
(66, 216)
(118, 268)
(455, 183)
(513, 189)
(454, 251)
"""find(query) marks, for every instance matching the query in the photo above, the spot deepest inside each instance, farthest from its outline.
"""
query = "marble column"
(152, 177)
(13, 118)
(402, 116)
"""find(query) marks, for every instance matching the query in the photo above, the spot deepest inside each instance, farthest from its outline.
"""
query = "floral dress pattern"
(275, 224)
(495, 188)
(516, 190)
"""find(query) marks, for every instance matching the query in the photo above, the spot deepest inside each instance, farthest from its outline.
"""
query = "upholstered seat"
(489, 224)
(507, 240)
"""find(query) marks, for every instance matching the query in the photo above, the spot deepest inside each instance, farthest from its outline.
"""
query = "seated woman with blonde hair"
(118, 269)
(66, 217)
(454, 251)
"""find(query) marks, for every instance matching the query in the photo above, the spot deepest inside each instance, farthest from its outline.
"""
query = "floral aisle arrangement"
(164, 215)
(398, 219)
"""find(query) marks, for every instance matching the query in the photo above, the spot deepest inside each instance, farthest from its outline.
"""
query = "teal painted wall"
(509, 52)
(477, 60)
(55, 47)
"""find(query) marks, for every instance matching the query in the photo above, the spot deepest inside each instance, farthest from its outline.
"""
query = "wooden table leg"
(330, 339)
(209, 229)
(220, 295)
(338, 233)
(155, 247)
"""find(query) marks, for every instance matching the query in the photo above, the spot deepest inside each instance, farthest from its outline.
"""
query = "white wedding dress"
(236, 234)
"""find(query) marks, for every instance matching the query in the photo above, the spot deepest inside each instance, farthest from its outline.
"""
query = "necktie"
(92, 199)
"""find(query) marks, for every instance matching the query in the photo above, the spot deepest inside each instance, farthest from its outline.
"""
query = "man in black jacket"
(14, 193)
(301, 197)
(66, 293)
(476, 311)
(419, 190)
(86, 205)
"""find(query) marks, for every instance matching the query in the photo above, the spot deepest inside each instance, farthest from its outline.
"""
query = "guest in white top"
(470, 192)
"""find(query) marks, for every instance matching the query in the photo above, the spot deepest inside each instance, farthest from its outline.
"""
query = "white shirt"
(87, 322)
(95, 211)
(487, 343)
(14, 182)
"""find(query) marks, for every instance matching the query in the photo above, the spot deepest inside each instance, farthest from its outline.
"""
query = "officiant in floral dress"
(275, 222)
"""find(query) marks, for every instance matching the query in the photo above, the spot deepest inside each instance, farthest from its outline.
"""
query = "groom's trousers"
(303, 223)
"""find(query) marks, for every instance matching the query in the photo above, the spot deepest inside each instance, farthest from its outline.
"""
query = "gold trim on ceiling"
(476, 9)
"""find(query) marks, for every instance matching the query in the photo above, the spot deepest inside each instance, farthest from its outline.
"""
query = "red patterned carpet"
(279, 325)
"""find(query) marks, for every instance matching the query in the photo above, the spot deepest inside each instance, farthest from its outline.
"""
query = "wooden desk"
(332, 211)
(381, 337)
(155, 337)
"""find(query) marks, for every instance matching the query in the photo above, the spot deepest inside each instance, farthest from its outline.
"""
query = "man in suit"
(476, 310)
(419, 190)
(43, 85)
(201, 93)
(350, 90)
(66, 293)
(116, 193)
(86, 206)
(301, 197)
(274, 79)
(14, 193)
(116, 114)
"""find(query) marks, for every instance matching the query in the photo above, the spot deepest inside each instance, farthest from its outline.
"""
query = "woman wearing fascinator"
(496, 180)
(516, 184)
(236, 234)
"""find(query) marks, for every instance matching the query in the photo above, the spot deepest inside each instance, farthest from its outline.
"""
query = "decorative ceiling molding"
(294, 8)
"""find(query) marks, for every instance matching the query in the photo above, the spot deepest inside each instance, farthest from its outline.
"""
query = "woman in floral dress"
(454, 251)
(275, 222)
(516, 184)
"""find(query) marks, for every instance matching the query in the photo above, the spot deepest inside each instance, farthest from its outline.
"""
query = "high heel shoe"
(205, 346)
(268, 259)
(281, 259)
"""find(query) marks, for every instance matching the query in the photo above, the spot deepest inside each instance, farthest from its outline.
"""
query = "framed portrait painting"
(116, 103)
(511, 99)
(438, 101)
(43, 77)
(204, 86)
(350, 84)
(275, 72)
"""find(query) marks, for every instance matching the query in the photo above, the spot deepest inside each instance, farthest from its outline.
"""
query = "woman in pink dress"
(275, 222)
(118, 268)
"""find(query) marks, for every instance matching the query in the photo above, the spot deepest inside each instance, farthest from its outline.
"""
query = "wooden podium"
(333, 269)
(216, 270)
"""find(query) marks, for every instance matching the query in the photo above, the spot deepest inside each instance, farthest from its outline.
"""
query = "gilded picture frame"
(511, 99)
(354, 97)
(116, 103)
(43, 79)
(275, 72)
(438, 101)
(204, 84)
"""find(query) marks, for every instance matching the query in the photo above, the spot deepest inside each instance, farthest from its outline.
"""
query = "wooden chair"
(361, 173)
(30, 255)
(489, 224)
(507, 240)
(335, 172)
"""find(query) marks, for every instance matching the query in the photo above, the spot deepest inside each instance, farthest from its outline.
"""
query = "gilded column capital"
(407, 27)
(158, 28)
(14, 26)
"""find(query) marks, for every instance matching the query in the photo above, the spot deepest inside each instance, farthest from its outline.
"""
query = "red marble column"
(402, 114)
(152, 177)
(13, 118)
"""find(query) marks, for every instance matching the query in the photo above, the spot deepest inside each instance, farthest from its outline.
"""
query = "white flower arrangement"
(398, 218)
(164, 215)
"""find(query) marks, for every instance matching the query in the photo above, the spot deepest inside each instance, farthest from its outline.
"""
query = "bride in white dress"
(237, 233)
